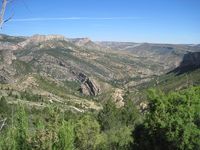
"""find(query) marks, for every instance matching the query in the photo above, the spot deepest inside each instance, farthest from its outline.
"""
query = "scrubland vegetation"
(171, 121)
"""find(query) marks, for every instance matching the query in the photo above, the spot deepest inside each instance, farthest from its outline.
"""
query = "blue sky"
(158, 21)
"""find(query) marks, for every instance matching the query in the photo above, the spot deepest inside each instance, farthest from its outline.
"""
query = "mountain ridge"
(108, 72)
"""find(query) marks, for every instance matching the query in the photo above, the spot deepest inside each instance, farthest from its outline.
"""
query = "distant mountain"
(185, 75)
(170, 54)
(141, 48)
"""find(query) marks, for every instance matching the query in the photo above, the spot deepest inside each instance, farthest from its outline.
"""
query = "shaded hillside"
(185, 75)
(190, 62)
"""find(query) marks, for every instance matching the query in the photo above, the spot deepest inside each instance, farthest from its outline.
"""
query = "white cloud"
(73, 18)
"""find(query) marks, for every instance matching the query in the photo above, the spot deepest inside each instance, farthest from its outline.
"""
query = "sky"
(153, 21)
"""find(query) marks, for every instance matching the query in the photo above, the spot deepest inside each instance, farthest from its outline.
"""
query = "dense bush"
(31, 97)
(172, 122)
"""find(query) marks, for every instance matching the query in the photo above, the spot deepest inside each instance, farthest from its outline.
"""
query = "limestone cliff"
(88, 86)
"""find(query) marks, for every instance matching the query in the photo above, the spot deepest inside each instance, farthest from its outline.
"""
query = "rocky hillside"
(79, 69)
(65, 59)
(185, 75)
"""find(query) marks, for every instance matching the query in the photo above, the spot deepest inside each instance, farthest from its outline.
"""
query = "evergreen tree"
(87, 132)
(66, 136)
(21, 129)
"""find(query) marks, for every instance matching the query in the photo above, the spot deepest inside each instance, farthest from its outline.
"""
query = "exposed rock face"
(88, 44)
(118, 97)
(190, 62)
(88, 86)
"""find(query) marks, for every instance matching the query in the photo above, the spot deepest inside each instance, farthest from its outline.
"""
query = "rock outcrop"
(118, 97)
(80, 41)
(88, 86)
(35, 39)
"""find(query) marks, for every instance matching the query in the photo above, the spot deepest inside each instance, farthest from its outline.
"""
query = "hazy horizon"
(139, 42)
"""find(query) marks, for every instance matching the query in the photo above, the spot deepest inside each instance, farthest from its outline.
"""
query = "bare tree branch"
(8, 19)
(3, 123)
(2, 13)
